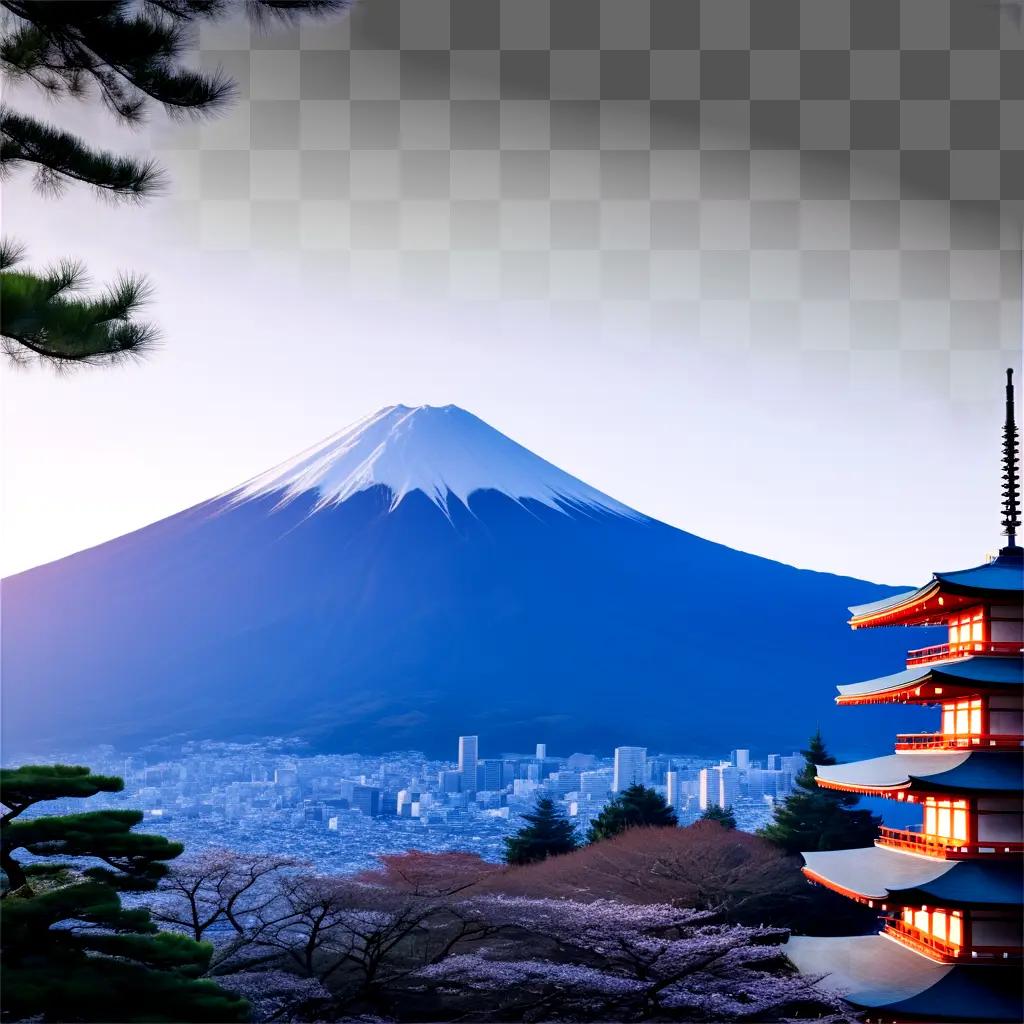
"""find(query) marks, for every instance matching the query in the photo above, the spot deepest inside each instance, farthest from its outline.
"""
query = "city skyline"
(274, 794)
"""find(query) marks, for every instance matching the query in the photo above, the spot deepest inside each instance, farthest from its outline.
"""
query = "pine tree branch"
(263, 13)
(60, 156)
(132, 53)
(130, 56)
(11, 253)
(190, 10)
(42, 315)
(25, 51)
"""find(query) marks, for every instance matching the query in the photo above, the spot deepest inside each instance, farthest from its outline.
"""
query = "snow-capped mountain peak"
(439, 450)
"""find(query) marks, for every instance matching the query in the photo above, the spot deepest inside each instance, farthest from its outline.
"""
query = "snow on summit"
(439, 450)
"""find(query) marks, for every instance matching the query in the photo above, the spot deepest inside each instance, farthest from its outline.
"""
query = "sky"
(829, 402)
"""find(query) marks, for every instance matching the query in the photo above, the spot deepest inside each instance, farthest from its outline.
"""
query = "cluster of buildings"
(343, 810)
(583, 783)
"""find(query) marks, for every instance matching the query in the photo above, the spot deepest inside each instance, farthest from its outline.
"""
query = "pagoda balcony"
(950, 741)
(944, 951)
(969, 648)
(914, 840)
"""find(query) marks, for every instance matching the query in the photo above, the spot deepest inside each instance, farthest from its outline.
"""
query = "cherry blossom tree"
(422, 937)
(745, 879)
(608, 960)
(276, 995)
(362, 936)
(225, 897)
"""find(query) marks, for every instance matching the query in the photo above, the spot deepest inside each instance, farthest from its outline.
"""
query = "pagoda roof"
(987, 671)
(1004, 574)
(879, 873)
(953, 771)
(1003, 577)
(875, 971)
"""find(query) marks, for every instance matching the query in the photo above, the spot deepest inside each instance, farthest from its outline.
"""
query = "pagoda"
(949, 889)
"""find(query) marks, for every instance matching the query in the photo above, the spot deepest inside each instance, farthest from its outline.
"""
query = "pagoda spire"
(1011, 480)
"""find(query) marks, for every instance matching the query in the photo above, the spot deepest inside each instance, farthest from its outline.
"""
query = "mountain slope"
(420, 576)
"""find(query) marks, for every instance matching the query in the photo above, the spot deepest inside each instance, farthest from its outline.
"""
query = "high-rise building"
(630, 767)
(367, 800)
(595, 785)
(449, 781)
(950, 886)
(562, 782)
(762, 782)
(740, 758)
(490, 775)
(657, 768)
(468, 762)
(706, 797)
(774, 763)
(542, 751)
(405, 801)
(672, 793)
(719, 786)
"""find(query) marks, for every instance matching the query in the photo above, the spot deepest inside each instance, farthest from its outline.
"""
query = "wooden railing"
(944, 846)
(941, 949)
(976, 648)
(950, 741)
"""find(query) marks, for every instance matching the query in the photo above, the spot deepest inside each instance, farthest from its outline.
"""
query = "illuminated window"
(944, 925)
(945, 819)
(960, 821)
(967, 631)
(964, 718)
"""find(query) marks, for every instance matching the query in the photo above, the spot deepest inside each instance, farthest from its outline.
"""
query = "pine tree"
(547, 833)
(635, 806)
(725, 816)
(812, 818)
(70, 950)
(47, 315)
(131, 54)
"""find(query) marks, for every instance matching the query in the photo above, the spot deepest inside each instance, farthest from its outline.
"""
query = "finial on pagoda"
(1011, 480)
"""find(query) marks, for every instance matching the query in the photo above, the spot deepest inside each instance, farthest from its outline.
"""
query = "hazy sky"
(836, 456)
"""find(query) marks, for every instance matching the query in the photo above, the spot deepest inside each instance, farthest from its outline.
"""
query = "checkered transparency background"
(833, 186)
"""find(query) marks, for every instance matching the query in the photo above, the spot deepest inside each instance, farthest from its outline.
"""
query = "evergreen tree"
(547, 833)
(46, 314)
(70, 950)
(725, 816)
(637, 805)
(131, 54)
(812, 818)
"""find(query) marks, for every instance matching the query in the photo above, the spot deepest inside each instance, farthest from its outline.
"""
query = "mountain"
(417, 576)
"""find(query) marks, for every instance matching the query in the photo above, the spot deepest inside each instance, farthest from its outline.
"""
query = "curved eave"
(835, 886)
(956, 678)
(946, 772)
(930, 605)
(876, 972)
(876, 874)
(893, 610)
